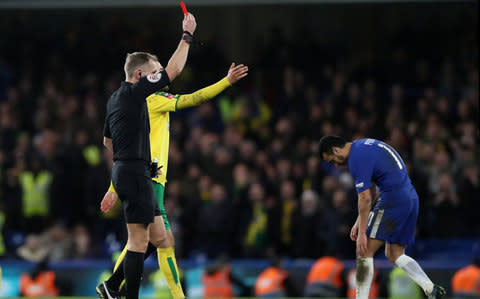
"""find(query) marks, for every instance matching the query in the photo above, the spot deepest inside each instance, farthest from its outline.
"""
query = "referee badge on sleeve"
(154, 78)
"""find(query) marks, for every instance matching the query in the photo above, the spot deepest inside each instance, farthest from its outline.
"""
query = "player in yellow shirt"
(159, 107)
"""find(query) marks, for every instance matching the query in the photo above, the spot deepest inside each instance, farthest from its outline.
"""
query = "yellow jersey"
(159, 106)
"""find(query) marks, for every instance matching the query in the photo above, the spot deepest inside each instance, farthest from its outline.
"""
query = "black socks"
(133, 268)
(119, 275)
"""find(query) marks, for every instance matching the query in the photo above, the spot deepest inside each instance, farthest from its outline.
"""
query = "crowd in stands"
(243, 177)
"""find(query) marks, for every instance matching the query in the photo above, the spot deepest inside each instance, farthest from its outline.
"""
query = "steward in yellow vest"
(35, 193)
(400, 286)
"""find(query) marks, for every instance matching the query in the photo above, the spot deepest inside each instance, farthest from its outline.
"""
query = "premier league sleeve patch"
(165, 94)
(154, 78)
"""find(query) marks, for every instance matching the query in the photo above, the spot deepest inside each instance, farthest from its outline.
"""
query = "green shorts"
(159, 192)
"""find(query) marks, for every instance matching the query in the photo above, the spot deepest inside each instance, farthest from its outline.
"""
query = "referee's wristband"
(187, 37)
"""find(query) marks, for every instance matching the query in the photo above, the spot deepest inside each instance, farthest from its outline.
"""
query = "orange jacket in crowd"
(325, 278)
(42, 286)
(352, 285)
(271, 282)
(218, 284)
(466, 282)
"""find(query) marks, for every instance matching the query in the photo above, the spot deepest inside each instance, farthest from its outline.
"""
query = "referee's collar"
(125, 83)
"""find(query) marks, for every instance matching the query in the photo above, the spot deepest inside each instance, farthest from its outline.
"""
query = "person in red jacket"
(39, 283)
(274, 281)
(326, 278)
(466, 281)
(218, 280)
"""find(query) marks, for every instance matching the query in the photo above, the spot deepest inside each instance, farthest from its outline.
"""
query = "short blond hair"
(136, 60)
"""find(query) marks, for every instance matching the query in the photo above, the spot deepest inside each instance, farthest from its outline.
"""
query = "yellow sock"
(168, 265)
(119, 262)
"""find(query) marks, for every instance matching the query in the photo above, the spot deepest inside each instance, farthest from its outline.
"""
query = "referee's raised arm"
(148, 80)
(177, 61)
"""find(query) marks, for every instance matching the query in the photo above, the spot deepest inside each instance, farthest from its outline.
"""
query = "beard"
(341, 160)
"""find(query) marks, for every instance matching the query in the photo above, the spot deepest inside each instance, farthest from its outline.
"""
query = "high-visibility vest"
(352, 285)
(42, 286)
(466, 282)
(160, 285)
(35, 193)
(271, 283)
(401, 286)
(217, 285)
(105, 275)
(92, 155)
(325, 278)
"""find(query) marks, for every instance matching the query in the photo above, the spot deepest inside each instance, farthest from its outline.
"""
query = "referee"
(126, 134)
(159, 106)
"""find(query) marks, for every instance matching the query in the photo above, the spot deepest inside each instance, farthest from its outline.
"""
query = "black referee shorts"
(133, 184)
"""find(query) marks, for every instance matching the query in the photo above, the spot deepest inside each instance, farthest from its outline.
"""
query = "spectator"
(33, 249)
(59, 242)
(446, 205)
(261, 132)
(82, 245)
(257, 220)
(214, 228)
(309, 219)
(340, 224)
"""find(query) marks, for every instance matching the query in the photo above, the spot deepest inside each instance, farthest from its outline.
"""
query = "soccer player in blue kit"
(393, 218)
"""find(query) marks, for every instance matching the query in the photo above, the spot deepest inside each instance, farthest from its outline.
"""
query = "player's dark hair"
(327, 143)
(136, 60)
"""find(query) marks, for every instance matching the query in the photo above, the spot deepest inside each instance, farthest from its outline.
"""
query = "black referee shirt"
(127, 122)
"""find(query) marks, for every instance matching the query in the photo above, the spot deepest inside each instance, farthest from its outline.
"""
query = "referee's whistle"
(154, 168)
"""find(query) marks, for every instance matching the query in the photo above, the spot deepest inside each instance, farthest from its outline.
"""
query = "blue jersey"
(373, 160)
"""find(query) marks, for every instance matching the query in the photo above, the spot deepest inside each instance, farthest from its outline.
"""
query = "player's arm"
(179, 58)
(364, 206)
(374, 199)
(235, 73)
(162, 102)
(202, 95)
(361, 169)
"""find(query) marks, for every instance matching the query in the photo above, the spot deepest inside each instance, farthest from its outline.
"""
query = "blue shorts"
(394, 217)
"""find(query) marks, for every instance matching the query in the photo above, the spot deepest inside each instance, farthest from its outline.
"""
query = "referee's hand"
(108, 201)
(189, 24)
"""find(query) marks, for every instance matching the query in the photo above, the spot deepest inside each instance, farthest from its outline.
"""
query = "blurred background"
(243, 182)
